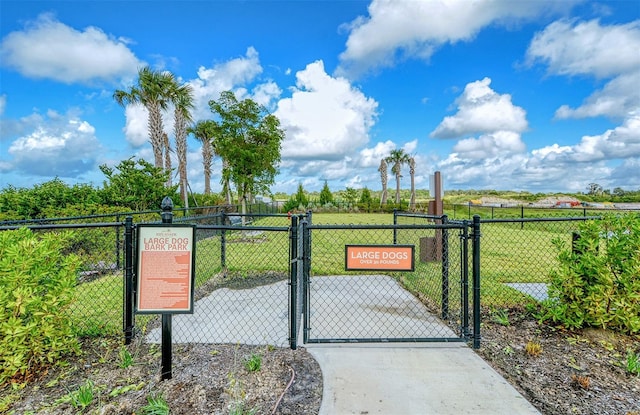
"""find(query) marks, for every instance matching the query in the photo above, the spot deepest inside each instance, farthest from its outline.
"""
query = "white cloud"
(325, 117)
(400, 29)
(3, 103)
(47, 48)
(370, 157)
(604, 158)
(61, 145)
(616, 99)
(482, 110)
(226, 76)
(587, 48)
(499, 143)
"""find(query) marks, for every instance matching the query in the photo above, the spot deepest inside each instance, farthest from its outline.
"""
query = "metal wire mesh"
(242, 278)
(518, 256)
(97, 307)
(414, 305)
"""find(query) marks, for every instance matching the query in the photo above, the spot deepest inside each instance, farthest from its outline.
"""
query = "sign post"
(165, 271)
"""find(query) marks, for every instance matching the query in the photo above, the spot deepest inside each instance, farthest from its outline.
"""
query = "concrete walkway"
(389, 378)
(413, 379)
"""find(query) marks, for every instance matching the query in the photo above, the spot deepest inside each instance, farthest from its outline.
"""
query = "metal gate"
(434, 302)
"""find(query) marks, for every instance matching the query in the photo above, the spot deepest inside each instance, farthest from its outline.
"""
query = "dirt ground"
(564, 372)
(578, 372)
(206, 379)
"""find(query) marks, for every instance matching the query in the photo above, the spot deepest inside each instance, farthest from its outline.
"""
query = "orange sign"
(379, 257)
(165, 269)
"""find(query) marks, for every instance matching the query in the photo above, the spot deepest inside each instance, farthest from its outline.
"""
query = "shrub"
(37, 283)
(598, 280)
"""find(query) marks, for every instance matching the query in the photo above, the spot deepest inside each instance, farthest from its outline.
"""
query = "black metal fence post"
(464, 258)
(395, 222)
(306, 269)
(476, 281)
(167, 217)
(445, 269)
(128, 280)
(223, 242)
(293, 283)
(117, 244)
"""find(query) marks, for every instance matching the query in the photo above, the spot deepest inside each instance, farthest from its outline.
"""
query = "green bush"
(38, 285)
(597, 283)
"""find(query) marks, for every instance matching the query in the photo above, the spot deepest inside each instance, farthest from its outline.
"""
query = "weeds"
(81, 397)
(502, 317)
(533, 348)
(156, 405)
(126, 358)
(633, 363)
(581, 381)
(253, 363)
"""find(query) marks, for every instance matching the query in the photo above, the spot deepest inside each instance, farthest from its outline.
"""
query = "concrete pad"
(538, 291)
(369, 306)
(253, 316)
(420, 379)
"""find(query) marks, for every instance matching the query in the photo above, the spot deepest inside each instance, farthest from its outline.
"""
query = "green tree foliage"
(136, 185)
(250, 141)
(325, 195)
(299, 201)
(598, 280)
(365, 196)
(38, 285)
(154, 90)
(351, 195)
(397, 158)
(46, 200)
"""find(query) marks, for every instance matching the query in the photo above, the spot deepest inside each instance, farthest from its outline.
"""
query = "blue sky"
(512, 95)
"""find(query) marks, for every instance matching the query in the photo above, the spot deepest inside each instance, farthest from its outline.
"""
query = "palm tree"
(152, 91)
(398, 158)
(182, 99)
(204, 131)
(167, 157)
(412, 172)
(208, 133)
(383, 177)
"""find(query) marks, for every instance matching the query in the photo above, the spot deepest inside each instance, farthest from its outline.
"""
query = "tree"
(412, 172)
(153, 91)
(594, 189)
(135, 185)
(398, 158)
(182, 99)
(365, 196)
(351, 195)
(325, 195)
(383, 177)
(204, 131)
(250, 141)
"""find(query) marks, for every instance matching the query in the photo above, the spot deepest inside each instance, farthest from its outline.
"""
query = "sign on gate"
(166, 274)
(379, 257)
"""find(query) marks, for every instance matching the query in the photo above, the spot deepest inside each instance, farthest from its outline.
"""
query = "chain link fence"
(244, 264)
(518, 256)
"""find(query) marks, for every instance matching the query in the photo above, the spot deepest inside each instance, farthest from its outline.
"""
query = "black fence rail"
(468, 211)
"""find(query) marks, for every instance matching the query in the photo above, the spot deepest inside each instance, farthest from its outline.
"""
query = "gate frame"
(301, 281)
